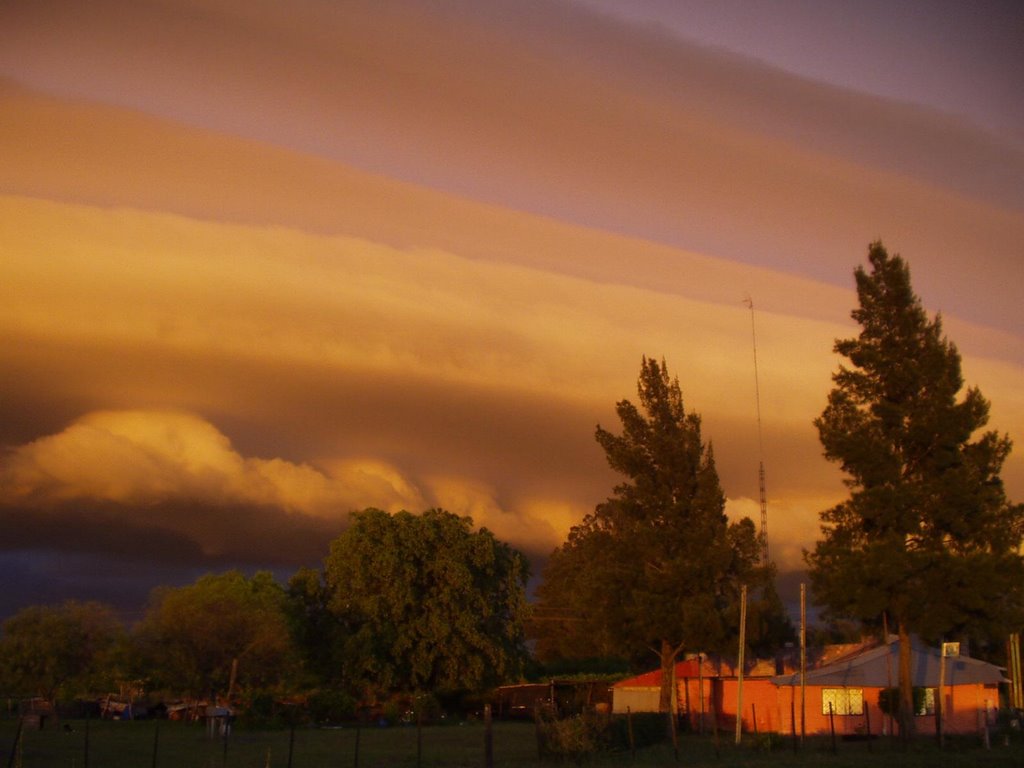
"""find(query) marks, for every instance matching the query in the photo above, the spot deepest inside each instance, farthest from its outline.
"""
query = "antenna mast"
(760, 442)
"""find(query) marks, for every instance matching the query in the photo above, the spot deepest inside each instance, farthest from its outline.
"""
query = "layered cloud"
(175, 479)
(262, 266)
(143, 458)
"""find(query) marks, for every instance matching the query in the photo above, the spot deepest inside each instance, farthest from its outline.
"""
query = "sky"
(264, 263)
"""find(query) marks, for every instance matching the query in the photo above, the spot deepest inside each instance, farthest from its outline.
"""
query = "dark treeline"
(405, 605)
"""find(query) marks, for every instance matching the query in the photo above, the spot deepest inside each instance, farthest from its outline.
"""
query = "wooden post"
(792, 719)
(629, 731)
(1011, 668)
(488, 738)
(939, 714)
(753, 715)
(689, 709)
(17, 740)
(1017, 684)
(1020, 680)
(539, 729)
(291, 746)
(673, 734)
(984, 728)
(867, 722)
(832, 726)
(419, 731)
(156, 743)
(85, 756)
(700, 678)
(888, 670)
(803, 662)
(714, 722)
(739, 680)
(231, 681)
(359, 731)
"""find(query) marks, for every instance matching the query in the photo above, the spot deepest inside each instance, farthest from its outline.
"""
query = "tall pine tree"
(657, 567)
(927, 535)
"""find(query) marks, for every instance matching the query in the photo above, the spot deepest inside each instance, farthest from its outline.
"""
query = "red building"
(848, 685)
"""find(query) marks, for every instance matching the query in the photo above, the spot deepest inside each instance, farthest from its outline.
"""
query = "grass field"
(141, 744)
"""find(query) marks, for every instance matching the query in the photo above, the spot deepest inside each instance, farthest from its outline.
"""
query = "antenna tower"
(760, 443)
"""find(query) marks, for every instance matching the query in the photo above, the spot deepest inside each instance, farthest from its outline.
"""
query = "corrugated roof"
(879, 668)
(687, 668)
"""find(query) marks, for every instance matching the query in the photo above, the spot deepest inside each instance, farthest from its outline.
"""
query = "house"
(849, 687)
(707, 694)
(848, 678)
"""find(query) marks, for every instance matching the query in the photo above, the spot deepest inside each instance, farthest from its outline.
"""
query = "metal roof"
(879, 668)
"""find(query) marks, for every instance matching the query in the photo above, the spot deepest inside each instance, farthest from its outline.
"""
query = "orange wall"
(776, 707)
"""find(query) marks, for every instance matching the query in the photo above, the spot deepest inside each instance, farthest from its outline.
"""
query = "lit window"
(926, 704)
(842, 701)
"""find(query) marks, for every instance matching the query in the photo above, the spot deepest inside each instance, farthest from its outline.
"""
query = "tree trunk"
(668, 660)
(906, 684)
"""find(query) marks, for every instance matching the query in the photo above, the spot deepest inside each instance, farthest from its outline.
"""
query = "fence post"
(156, 742)
(675, 734)
(17, 741)
(867, 724)
(540, 731)
(629, 730)
(792, 720)
(419, 733)
(832, 725)
(488, 738)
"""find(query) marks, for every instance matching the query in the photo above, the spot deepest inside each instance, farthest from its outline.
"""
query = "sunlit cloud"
(292, 262)
(142, 458)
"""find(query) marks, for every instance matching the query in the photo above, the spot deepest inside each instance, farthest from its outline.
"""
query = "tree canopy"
(657, 566)
(196, 638)
(927, 535)
(429, 603)
(46, 650)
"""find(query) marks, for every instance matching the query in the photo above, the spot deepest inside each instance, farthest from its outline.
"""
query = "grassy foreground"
(144, 744)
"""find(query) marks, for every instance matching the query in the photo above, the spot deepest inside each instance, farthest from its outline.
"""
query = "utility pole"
(739, 677)
(760, 442)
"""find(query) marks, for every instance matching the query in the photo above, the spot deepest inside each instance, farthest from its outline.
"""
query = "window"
(925, 705)
(843, 701)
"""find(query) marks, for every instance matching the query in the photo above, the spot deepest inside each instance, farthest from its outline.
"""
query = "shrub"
(575, 738)
(331, 706)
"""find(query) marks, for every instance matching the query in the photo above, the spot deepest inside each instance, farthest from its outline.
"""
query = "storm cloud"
(263, 266)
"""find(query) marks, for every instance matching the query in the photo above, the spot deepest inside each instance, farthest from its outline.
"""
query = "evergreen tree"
(927, 535)
(657, 566)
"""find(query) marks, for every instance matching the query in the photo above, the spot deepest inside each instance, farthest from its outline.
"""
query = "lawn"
(105, 744)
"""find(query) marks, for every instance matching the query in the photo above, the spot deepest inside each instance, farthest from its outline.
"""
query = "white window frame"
(845, 701)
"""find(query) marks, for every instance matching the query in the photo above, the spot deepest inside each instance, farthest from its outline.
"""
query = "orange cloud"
(147, 457)
(182, 237)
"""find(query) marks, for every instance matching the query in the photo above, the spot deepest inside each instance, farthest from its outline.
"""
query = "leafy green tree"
(433, 605)
(927, 535)
(62, 650)
(657, 567)
(195, 638)
(320, 634)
